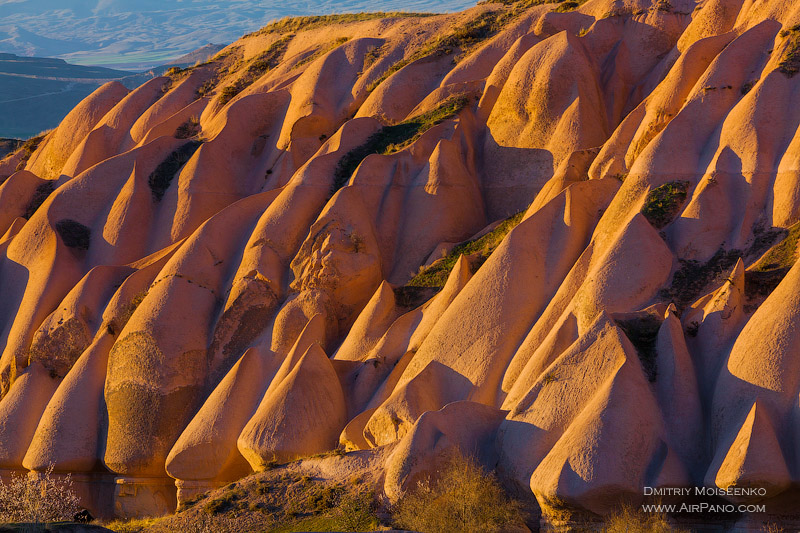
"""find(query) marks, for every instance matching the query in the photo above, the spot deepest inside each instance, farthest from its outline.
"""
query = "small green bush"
(664, 203)
(464, 498)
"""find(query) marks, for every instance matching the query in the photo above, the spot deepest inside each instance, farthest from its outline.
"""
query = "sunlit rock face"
(563, 241)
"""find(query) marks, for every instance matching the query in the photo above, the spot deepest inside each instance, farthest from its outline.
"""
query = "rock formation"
(561, 237)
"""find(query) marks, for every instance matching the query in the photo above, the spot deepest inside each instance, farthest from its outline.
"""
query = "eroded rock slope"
(561, 237)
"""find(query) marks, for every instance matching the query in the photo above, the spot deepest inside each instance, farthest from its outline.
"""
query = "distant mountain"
(37, 93)
(138, 35)
(199, 55)
(8, 145)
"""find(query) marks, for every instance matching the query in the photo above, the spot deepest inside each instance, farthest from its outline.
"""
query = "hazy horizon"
(138, 35)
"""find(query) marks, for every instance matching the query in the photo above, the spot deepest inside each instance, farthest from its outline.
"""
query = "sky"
(140, 34)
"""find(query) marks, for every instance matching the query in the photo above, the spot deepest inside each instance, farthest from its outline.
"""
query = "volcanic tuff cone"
(561, 237)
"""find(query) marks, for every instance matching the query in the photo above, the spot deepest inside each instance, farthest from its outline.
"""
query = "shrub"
(663, 203)
(747, 87)
(373, 54)
(74, 234)
(789, 64)
(37, 498)
(356, 512)
(189, 129)
(160, 179)
(464, 498)
(43, 191)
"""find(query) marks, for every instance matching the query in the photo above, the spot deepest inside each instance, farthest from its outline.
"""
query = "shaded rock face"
(566, 245)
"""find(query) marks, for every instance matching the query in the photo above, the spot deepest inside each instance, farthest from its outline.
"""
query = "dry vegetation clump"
(789, 64)
(28, 147)
(692, 278)
(372, 55)
(189, 129)
(391, 139)
(478, 250)
(37, 498)
(629, 520)
(464, 498)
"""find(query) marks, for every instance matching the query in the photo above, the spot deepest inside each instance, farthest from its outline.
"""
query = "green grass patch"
(391, 139)
(569, 5)
(297, 24)
(767, 273)
(664, 203)
(783, 254)
(257, 67)
(436, 274)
